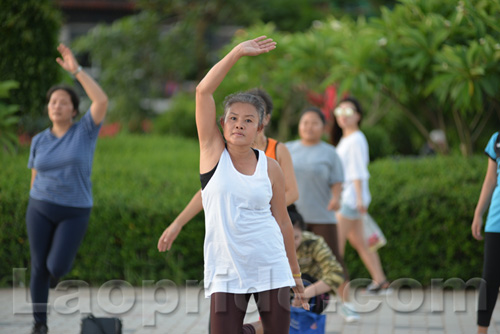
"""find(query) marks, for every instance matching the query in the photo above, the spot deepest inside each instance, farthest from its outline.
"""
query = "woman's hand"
(333, 205)
(361, 207)
(296, 302)
(68, 61)
(257, 46)
(299, 299)
(476, 227)
(168, 237)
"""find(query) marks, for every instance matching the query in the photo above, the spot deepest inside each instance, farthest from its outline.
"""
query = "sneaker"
(40, 329)
(347, 312)
(379, 289)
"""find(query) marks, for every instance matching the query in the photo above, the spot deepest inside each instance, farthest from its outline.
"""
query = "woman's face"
(297, 236)
(241, 124)
(60, 107)
(311, 127)
(347, 116)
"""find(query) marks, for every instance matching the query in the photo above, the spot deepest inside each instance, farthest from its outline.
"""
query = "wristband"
(299, 275)
(78, 70)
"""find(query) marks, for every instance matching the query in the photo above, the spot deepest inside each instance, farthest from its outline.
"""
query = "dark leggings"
(227, 312)
(55, 233)
(488, 290)
(329, 233)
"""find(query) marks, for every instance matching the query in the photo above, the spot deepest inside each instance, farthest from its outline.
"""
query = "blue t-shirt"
(493, 219)
(64, 164)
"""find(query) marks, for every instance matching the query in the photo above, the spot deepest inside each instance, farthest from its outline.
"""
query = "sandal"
(377, 289)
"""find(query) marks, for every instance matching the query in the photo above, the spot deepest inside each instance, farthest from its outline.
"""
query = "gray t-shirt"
(317, 168)
(64, 164)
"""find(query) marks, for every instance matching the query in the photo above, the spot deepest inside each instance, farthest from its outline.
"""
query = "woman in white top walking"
(352, 147)
(249, 244)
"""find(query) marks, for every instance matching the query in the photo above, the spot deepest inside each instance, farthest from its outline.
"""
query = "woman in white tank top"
(249, 243)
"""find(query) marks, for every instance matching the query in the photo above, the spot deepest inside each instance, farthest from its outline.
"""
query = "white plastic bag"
(373, 234)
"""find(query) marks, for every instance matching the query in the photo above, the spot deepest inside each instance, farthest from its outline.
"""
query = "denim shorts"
(349, 212)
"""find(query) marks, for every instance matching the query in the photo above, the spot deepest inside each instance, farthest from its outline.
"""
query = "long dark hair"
(336, 132)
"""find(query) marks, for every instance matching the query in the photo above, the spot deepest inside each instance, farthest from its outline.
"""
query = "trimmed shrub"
(425, 208)
(179, 119)
(140, 184)
(423, 205)
(380, 142)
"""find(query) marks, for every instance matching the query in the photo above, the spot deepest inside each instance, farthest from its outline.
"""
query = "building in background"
(79, 16)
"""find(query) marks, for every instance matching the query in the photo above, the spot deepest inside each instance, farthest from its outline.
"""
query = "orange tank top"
(271, 146)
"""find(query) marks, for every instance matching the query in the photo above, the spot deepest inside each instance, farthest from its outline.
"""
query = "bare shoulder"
(209, 156)
(281, 147)
(271, 163)
(282, 153)
(274, 169)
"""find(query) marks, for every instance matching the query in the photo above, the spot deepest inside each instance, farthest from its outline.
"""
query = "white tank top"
(244, 249)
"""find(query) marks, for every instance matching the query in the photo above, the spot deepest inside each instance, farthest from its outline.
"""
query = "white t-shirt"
(244, 249)
(353, 152)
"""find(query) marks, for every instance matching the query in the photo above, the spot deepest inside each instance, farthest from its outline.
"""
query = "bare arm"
(278, 209)
(211, 141)
(336, 190)
(359, 196)
(489, 184)
(172, 231)
(285, 161)
(33, 175)
(95, 93)
(315, 289)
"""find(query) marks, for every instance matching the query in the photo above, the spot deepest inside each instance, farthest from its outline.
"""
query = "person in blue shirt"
(489, 197)
(61, 192)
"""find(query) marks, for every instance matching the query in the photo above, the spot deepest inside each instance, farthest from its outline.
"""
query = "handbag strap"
(93, 319)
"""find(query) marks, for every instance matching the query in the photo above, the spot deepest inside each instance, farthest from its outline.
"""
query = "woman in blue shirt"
(61, 192)
(490, 196)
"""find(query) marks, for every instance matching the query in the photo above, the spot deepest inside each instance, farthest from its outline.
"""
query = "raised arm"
(211, 141)
(172, 231)
(95, 93)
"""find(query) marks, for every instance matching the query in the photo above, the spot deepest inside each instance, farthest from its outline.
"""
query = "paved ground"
(184, 310)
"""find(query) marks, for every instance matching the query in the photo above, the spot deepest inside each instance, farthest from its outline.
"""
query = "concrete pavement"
(164, 308)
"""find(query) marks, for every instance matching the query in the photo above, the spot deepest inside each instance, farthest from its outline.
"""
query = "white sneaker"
(346, 310)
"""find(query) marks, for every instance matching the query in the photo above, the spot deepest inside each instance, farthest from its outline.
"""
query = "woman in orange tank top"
(276, 150)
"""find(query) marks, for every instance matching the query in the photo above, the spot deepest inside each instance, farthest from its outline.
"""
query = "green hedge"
(140, 184)
(424, 206)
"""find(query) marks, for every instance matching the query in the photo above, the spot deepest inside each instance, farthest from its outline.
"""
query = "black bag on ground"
(93, 325)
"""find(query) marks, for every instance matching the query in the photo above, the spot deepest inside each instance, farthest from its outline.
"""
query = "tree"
(429, 64)
(134, 63)
(435, 61)
(196, 21)
(8, 118)
(137, 55)
(29, 31)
